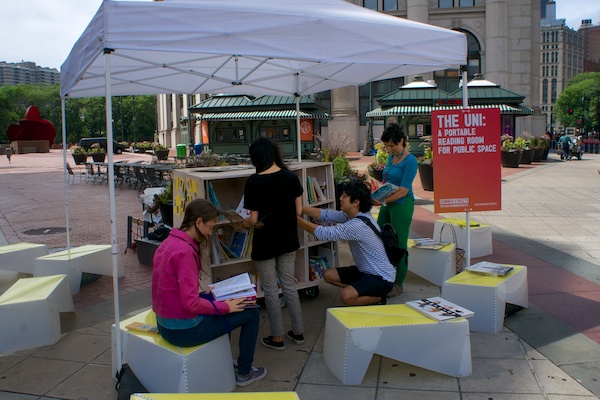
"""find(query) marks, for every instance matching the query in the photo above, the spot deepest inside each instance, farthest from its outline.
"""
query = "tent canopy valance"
(262, 115)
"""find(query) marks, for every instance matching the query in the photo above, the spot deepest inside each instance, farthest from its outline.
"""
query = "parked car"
(86, 143)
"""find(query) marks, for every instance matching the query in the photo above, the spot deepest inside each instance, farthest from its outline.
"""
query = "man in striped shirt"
(373, 276)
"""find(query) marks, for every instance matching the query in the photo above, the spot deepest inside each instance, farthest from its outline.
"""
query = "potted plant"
(525, 145)
(161, 152)
(97, 152)
(79, 154)
(164, 200)
(425, 166)
(375, 169)
(343, 172)
(511, 152)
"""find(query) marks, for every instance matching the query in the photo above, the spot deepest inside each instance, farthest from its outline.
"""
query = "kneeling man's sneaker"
(396, 290)
(256, 374)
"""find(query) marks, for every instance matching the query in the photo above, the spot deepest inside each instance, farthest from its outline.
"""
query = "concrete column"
(345, 122)
(417, 10)
(496, 42)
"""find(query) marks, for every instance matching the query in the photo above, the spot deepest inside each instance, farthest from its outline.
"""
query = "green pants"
(400, 216)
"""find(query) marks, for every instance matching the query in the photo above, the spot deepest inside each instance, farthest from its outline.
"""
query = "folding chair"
(72, 174)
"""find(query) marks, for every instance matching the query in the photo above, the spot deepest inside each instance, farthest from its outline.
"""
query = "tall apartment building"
(503, 45)
(28, 73)
(561, 58)
(591, 46)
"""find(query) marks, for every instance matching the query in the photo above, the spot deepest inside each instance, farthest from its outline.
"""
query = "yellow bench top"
(31, 289)
(217, 396)
(76, 252)
(462, 223)
(9, 248)
(374, 316)
(473, 279)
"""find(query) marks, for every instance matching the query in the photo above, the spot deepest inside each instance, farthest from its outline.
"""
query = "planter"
(511, 159)
(527, 156)
(99, 157)
(538, 153)
(162, 154)
(426, 175)
(377, 174)
(166, 211)
(79, 158)
(545, 155)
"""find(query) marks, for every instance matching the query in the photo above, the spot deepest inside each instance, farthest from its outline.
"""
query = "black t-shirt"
(274, 197)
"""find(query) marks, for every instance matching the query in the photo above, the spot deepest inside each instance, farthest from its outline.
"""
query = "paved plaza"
(550, 222)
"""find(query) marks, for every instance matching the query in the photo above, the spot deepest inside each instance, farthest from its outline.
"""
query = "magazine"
(430, 244)
(439, 309)
(142, 327)
(489, 268)
(235, 287)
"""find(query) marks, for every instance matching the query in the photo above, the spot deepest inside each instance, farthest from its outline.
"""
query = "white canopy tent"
(281, 47)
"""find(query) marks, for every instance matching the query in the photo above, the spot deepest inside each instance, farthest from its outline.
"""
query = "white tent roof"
(250, 46)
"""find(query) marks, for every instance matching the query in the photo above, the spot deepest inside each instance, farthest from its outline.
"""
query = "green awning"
(426, 110)
(262, 115)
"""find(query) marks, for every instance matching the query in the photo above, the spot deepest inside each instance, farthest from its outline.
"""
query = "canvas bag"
(461, 260)
(389, 237)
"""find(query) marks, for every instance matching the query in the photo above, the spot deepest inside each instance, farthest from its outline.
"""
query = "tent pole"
(297, 96)
(465, 99)
(64, 149)
(113, 212)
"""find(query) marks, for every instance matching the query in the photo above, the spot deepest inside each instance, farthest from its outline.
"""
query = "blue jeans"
(211, 327)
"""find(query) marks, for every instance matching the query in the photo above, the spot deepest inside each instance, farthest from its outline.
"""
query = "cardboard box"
(145, 249)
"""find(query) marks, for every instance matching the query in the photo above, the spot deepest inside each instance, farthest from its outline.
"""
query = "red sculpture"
(32, 127)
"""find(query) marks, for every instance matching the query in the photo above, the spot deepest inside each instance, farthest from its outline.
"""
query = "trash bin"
(181, 150)
(198, 147)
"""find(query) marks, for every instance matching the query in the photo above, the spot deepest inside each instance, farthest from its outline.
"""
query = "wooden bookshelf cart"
(225, 186)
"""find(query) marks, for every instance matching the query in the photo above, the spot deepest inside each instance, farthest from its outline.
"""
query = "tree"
(582, 96)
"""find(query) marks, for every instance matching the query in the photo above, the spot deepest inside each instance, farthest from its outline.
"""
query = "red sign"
(306, 130)
(450, 102)
(204, 128)
(467, 166)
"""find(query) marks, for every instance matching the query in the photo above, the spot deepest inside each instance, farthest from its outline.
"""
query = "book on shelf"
(428, 243)
(439, 308)
(238, 286)
(320, 194)
(142, 327)
(228, 252)
(241, 211)
(489, 268)
(238, 243)
(384, 191)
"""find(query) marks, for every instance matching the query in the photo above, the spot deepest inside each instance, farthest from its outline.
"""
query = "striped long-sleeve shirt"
(366, 247)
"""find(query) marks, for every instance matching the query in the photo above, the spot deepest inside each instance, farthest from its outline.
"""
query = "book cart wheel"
(311, 292)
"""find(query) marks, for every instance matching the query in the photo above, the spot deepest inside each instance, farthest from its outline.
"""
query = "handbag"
(461, 260)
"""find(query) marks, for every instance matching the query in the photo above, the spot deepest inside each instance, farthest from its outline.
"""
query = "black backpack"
(389, 237)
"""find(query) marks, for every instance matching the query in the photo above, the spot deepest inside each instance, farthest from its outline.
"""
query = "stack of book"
(314, 191)
(489, 268)
(240, 246)
(439, 309)
(316, 267)
(238, 286)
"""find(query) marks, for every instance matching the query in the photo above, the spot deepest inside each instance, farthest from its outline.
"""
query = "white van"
(86, 143)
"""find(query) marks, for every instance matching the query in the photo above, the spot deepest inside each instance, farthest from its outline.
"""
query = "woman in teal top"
(398, 207)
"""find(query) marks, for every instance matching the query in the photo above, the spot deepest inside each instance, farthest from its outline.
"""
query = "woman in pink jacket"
(186, 319)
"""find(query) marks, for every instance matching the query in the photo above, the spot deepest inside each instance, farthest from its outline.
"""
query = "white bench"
(90, 258)
(218, 396)
(21, 257)
(487, 296)
(29, 311)
(354, 334)
(164, 368)
(481, 235)
(433, 265)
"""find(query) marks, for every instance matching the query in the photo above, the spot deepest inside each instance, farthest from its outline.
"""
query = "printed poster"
(467, 163)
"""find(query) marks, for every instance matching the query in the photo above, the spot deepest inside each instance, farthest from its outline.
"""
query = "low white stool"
(29, 311)
(164, 368)
(354, 334)
(481, 236)
(487, 296)
(20, 257)
(433, 265)
(90, 258)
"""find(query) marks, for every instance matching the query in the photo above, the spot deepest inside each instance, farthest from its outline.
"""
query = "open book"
(237, 286)
(439, 309)
(384, 191)
(428, 243)
(489, 268)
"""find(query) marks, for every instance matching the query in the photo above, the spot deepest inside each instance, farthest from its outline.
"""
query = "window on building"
(466, 3)
(545, 91)
(554, 90)
(235, 133)
(446, 3)
(369, 93)
(390, 5)
(449, 79)
(370, 4)
(323, 100)
(279, 133)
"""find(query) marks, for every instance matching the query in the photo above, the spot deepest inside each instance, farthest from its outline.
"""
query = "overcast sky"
(44, 31)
